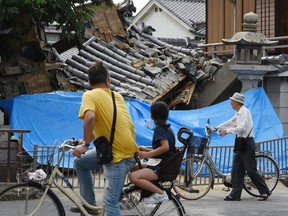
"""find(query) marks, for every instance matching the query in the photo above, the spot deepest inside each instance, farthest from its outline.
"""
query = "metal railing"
(221, 155)
(215, 47)
(278, 149)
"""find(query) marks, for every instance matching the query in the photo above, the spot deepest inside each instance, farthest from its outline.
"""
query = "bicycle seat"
(170, 167)
(184, 135)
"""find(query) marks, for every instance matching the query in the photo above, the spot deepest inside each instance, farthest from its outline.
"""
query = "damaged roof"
(144, 67)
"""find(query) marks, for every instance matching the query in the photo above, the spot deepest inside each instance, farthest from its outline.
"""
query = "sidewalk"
(214, 205)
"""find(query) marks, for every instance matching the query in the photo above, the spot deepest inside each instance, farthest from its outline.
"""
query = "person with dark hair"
(163, 145)
(241, 124)
(97, 112)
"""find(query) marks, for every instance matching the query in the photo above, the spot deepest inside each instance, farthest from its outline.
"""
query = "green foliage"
(71, 15)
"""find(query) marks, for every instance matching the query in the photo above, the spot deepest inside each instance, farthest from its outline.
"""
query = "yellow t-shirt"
(99, 100)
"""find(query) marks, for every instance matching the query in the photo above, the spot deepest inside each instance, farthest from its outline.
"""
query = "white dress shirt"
(241, 123)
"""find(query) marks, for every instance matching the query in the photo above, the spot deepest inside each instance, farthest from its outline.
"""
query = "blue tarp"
(53, 116)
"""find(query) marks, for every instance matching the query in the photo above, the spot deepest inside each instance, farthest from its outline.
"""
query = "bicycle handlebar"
(138, 161)
(68, 144)
(209, 129)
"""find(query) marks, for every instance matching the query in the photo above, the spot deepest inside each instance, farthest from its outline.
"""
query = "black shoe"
(75, 209)
(228, 198)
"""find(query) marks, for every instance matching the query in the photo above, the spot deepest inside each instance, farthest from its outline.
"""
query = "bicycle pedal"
(227, 184)
(193, 191)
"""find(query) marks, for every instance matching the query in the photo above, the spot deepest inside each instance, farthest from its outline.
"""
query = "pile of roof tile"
(142, 66)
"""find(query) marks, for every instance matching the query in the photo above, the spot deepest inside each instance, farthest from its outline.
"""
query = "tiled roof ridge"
(187, 51)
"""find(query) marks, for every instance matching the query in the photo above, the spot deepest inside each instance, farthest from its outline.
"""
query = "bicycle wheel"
(131, 204)
(268, 169)
(195, 179)
(22, 199)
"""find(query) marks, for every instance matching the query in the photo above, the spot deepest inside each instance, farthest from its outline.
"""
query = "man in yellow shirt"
(97, 112)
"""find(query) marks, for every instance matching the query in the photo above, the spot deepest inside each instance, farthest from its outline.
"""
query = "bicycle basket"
(197, 145)
(30, 161)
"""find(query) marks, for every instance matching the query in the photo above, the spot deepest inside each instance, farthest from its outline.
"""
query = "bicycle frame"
(205, 157)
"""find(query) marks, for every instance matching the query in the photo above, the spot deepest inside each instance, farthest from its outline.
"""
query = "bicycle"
(198, 170)
(30, 197)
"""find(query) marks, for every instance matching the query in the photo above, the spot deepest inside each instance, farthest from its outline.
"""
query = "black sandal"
(264, 197)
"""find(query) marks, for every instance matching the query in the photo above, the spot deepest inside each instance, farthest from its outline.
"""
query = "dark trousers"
(246, 161)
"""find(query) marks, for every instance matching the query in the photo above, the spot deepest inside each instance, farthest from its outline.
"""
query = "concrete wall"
(276, 88)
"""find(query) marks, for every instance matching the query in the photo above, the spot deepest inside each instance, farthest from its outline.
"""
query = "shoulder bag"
(241, 143)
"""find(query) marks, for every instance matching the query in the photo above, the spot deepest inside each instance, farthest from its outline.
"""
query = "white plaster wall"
(164, 25)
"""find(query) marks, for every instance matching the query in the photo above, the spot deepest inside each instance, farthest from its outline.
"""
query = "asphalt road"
(213, 204)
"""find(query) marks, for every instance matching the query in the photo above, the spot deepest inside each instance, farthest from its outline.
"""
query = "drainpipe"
(234, 9)
(234, 3)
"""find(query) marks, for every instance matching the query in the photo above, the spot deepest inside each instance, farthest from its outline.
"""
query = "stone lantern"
(249, 43)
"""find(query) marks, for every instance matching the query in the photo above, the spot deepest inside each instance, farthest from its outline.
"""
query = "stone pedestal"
(250, 75)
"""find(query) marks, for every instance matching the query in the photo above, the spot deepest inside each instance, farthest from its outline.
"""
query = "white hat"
(240, 98)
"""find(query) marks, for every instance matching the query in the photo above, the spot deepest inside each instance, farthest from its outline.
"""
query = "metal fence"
(221, 155)
(278, 149)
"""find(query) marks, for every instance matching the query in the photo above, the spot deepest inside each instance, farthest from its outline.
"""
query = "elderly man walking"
(241, 124)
